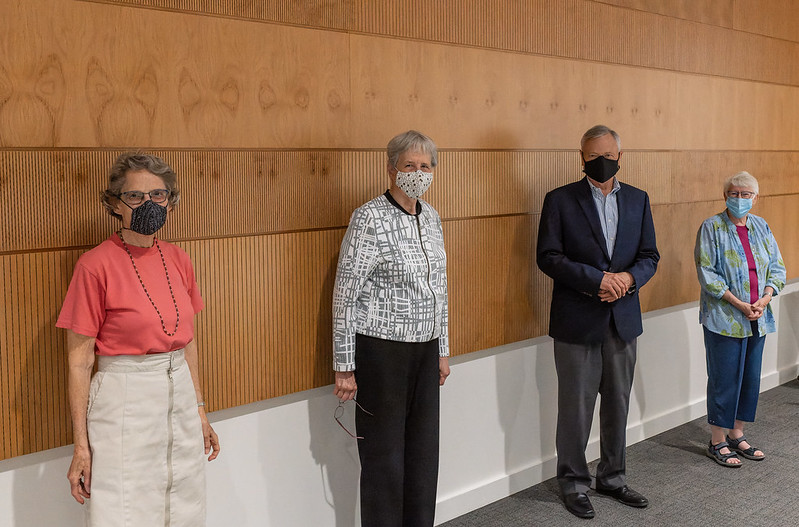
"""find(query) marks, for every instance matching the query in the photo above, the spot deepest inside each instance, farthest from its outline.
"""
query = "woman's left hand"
(759, 307)
(443, 370)
(209, 437)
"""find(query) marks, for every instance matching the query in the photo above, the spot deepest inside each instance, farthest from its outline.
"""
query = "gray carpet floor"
(684, 487)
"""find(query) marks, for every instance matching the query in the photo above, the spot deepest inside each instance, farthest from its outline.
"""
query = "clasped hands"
(615, 286)
(754, 311)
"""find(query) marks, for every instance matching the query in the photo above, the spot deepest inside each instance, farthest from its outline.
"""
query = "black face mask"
(147, 218)
(601, 169)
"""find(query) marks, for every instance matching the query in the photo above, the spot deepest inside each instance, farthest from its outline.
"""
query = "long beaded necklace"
(168, 281)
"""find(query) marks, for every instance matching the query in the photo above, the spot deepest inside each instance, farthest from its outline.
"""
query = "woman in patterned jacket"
(390, 337)
(740, 269)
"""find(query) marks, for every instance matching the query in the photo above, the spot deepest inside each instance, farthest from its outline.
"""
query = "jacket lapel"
(624, 224)
(586, 200)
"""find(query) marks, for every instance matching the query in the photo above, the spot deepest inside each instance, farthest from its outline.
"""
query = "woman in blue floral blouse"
(740, 269)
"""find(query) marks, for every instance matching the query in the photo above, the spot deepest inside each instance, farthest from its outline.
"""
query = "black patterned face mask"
(147, 218)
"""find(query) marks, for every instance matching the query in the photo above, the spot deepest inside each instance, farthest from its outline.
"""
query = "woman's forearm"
(80, 349)
(191, 355)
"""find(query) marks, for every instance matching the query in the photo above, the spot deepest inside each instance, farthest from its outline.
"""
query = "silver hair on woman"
(411, 141)
(135, 161)
(744, 180)
(599, 131)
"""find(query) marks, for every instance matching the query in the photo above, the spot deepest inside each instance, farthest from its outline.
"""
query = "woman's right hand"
(346, 386)
(750, 311)
(80, 474)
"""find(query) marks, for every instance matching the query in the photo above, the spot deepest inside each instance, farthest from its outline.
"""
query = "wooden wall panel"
(737, 54)
(266, 330)
(712, 12)
(204, 82)
(276, 116)
(700, 175)
(675, 281)
(775, 18)
(520, 101)
(330, 14)
(647, 33)
(492, 276)
(280, 191)
(504, 100)
(722, 114)
(33, 395)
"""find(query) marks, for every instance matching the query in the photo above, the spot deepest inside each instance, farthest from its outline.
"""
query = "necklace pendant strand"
(146, 292)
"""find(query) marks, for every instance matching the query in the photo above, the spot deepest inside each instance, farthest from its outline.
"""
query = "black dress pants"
(398, 383)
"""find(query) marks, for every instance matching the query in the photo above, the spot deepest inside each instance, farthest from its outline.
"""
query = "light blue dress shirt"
(608, 209)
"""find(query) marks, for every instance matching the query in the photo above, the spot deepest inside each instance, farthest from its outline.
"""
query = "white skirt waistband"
(141, 363)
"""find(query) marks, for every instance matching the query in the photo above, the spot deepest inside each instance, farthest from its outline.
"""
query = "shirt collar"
(596, 191)
(731, 225)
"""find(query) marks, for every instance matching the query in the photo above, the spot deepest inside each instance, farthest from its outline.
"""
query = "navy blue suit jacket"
(572, 251)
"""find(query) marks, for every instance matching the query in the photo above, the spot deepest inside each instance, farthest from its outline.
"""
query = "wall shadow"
(333, 450)
(788, 331)
(44, 481)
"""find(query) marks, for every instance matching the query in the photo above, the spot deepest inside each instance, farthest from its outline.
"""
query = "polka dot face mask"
(414, 184)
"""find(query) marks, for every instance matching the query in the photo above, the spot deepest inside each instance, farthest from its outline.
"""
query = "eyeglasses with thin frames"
(338, 413)
(745, 194)
(136, 197)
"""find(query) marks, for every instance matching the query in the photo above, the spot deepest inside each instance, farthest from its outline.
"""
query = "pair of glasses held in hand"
(338, 413)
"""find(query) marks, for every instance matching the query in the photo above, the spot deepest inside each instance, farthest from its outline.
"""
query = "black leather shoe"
(625, 495)
(578, 504)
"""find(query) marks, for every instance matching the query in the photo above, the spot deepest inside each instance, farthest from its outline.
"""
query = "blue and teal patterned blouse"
(721, 265)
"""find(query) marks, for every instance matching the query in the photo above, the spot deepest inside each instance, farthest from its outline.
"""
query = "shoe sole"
(723, 463)
(747, 456)
(636, 505)
(581, 516)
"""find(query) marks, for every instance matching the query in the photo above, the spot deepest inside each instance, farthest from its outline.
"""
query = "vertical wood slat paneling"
(711, 12)
(775, 18)
(266, 329)
(493, 279)
(330, 14)
(303, 190)
(34, 413)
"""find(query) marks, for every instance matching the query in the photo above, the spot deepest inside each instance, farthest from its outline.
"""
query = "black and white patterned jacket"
(391, 281)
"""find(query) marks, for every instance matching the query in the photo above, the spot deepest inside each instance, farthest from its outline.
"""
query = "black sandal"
(714, 453)
(748, 453)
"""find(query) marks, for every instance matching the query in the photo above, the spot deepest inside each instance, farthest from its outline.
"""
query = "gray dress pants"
(585, 370)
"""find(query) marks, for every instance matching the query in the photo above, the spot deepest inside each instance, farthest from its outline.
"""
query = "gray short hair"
(599, 131)
(742, 179)
(411, 141)
(135, 161)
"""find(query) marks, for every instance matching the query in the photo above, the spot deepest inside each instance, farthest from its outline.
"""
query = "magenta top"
(743, 235)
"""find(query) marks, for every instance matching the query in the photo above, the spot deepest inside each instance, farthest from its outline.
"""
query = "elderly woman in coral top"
(740, 269)
(139, 423)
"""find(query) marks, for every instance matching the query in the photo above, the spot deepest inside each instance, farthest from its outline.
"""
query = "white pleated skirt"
(147, 444)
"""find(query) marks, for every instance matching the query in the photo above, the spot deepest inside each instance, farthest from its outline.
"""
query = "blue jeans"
(733, 377)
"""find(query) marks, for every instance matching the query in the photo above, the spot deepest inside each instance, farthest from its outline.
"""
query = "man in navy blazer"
(596, 240)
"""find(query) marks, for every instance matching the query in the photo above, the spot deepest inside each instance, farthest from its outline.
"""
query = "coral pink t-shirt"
(105, 299)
